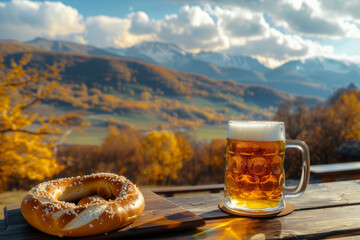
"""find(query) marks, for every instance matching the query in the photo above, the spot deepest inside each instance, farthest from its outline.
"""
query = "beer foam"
(256, 130)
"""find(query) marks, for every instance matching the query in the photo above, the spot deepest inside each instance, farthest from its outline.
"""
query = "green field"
(94, 135)
(98, 130)
(99, 122)
(208, 132)
(97, 133)
(139, 121)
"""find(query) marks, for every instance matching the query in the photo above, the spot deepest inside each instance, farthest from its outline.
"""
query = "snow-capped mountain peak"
(161, 53)
(310, 65)
(227, 60)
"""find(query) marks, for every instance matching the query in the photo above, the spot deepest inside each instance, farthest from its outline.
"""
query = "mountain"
(11, 47)
(313, 65)
(227, 60)
(127, 79)
(310, 77)
(66, 46)
(170, 55)
(222, 67)
(318, 77)
(283, 80)
(165, 54)
(325, 70)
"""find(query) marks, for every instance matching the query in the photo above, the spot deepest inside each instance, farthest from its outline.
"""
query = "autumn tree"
(211, 157)
(145, 96)
(332, 125)
(347, 108)
(294, 115)
(324, 127)
(27, 152)
(164, 157)
(121, 152)
(339, 92)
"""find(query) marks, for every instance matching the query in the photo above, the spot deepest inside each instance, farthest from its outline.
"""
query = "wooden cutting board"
(160, 216)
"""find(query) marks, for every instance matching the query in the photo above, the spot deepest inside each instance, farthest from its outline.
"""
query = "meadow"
(97, 132)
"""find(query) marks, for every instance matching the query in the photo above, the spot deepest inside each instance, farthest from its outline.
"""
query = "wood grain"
(326, 210)
(304, 224)
(321, 195)
(160, 215)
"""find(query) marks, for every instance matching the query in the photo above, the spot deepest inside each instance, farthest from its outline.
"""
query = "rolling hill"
(94, 69)
(121, 87)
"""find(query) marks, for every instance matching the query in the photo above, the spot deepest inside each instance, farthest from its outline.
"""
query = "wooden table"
(326, 210)
(336, 171)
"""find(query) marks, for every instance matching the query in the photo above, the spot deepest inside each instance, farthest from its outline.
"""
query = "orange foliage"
(323, 127)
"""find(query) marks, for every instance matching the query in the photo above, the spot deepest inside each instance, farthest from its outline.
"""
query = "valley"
(124, 92)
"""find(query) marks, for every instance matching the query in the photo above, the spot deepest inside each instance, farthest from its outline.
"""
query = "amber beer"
(254, 174)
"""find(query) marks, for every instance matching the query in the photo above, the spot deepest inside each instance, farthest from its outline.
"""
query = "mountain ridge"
(318, 77)
(92, 69)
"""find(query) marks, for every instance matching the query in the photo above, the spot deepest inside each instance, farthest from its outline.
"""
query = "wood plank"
(331, 172)
(316, 196)
(334, 222)
(160, 215)
(303, 224)
(335, 168)
(170, 191)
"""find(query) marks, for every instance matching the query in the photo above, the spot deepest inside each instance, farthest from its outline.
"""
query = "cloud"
(310, 18)
(302, 19)
(104, 31)
(142, 24)
(192, 28)
(25, 20)
(319, 18)
(278, 48)
(273, 31)
(240, 22)
(349, 9)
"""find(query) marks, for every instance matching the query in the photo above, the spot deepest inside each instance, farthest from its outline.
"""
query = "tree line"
(324, 127)
(159, 157)
(172, 158)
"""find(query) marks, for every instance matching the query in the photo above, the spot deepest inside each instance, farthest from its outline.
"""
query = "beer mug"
(254, 173)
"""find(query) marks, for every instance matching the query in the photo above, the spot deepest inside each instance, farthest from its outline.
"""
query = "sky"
(273, 31)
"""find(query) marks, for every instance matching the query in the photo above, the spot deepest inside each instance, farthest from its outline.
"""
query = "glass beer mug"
(254, 173)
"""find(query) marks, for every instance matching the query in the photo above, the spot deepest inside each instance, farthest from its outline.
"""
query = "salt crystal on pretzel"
(50, 206)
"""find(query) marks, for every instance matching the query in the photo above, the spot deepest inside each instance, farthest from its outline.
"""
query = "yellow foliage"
(347, 112)
(146, 96)
(164, 156)
(27, 153)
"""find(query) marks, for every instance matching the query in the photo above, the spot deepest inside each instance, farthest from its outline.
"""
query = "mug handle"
(305, 174)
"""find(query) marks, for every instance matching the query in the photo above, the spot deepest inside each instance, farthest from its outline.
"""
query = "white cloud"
(278, 48)
(104, 31)
(192, 28)
(305, 21)
(142, 24)
(319, 18)
(240, 22)
(349, 9)
(25, 20)
(271, 30)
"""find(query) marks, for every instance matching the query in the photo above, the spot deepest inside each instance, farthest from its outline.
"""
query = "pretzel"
(105, 202)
